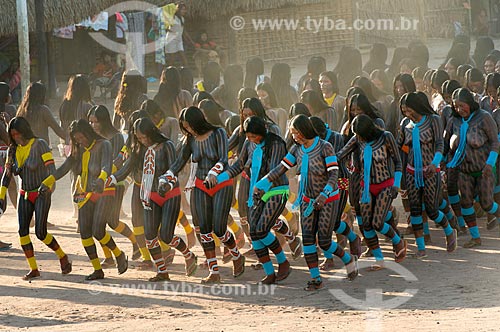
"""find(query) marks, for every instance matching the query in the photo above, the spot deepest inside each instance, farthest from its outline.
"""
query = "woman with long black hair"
(207, 145)
(76, 103)
(99, 119)
(261, 152)
(31, 159)
(161, 210)
(269, 100)
(34, 109)
(170, 97)
(91, 163)
(381, 169)
(131, 95)
(318, 195)
(471, 141)
(422, 141)
(286, 95)
(318, 107)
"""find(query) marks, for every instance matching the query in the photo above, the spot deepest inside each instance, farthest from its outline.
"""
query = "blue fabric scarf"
(328, 134)
(255, 170)
(417, 154)
(304, 169)
(367, 168)
(460, 153)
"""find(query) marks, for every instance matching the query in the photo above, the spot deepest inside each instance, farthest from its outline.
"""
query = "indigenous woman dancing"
(472, 138)
(318, 195)
(90, 160)
(381, 169)
(422, 139)
(206, 145)
(340, 227)
(30, 158)
(160, 209)
(262, 152)
(99, 119)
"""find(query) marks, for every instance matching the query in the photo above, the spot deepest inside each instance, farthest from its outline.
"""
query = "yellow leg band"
(138, 230)
(96, 264)
(289, 215)
(32, 263)
(235, 206)
(88, 242)
(60, 253)
(106, 252)
(117, 252)
(216, 240)
(48, 239)
(164, 246)
(121, 226)
(25, 240)
(105, 239)
(145, 254)
(234, 227)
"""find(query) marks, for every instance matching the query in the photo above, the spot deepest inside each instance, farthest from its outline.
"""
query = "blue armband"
(264, 184)
(437, 159)
(223, 177)
(327, 191)
(492, 158)
(397, 179)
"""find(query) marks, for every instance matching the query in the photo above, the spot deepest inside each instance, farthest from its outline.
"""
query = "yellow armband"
(47, 158)
(49, 181)
(3, 192)
(103, 176)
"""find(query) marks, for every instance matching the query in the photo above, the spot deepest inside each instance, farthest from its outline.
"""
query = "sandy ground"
(445, 292)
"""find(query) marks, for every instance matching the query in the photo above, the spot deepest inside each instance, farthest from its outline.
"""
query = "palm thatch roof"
(60, 13)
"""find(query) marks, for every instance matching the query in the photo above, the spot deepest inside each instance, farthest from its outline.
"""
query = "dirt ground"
(444, 292)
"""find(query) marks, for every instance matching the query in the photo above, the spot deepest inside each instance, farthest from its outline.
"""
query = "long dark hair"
(21, 125)
(32, 101)
(464, 95)
(133, 85)
(211, 76)
(132, 143)
(83, 127)
(152, 108)
(253, 68)
(257, 109)
(407, 82)
(78, 91)
(187, 80)
(280, 81)
(371, 91)
(196, 120)
(333, 78)
(364, 127)
(319, 126)
(268, 88)
(102, 115)
(298, 108)
(148, 128)
(364, 104)
(169, 90)
(349, 66)
(245, 93)
(303, 125)
(255, 125)
(212, 111)
(419, 105)
(233, 82)
(314, 100)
